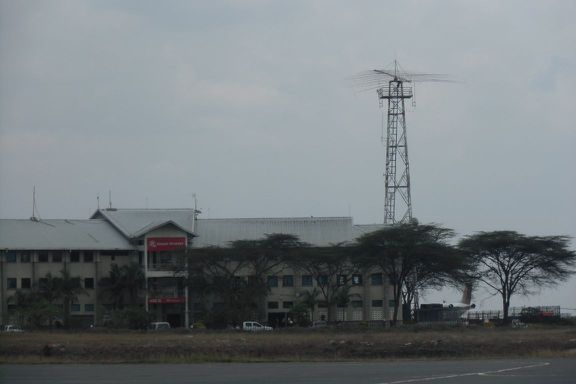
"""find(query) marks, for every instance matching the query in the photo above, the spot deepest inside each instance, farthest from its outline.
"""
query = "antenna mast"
(393, 86)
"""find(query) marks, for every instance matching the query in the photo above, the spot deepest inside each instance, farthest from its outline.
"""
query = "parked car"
(11, 328)
(159, 326)
(252, 326)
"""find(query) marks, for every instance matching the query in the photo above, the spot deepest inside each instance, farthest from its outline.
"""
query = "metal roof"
(317, 231)
(134, 223)
(60, 234)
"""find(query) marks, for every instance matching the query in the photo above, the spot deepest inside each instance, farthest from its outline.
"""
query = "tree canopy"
(413, 256)
(510, 263)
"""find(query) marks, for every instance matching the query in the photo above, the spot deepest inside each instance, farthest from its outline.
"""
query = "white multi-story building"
(155, 238)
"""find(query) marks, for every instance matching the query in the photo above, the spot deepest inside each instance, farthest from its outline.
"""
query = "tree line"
(412, 257)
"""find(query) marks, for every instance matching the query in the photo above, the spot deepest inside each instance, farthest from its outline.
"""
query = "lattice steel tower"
(394, 87)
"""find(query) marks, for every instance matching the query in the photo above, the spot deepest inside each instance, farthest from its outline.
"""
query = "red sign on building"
(167, 300)
(166, 243)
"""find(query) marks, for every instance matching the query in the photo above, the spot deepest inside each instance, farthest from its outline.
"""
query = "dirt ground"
(290, 345)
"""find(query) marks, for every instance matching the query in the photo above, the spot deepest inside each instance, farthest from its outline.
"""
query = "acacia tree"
(402, 251)
(263, 257)
(331, 269)
(510, 263)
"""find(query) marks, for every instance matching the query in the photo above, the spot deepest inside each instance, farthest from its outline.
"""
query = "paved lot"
(548, 371)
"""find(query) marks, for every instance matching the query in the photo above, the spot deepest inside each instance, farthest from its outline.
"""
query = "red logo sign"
(166, 243)
(167, 300)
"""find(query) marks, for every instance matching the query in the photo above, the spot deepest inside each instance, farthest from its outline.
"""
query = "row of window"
(353, 304)
(73, 307)
(44, 257)
(308, 280)
(26, 283)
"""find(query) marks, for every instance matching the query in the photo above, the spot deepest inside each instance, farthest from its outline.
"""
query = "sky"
(248, 105)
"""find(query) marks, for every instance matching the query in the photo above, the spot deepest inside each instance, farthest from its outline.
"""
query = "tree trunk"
(505, 308)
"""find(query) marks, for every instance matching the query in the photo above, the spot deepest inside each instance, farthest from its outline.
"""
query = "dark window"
(272, 281)
(287, 304)
(11, 257)
(356, 303)
(11, 283)
(89, 283)
(74, 257)
(272, 305)
(287, 281)
(88, 256)
(25, 283)
(307, 280)
(75, 307)
(376, 279)
(391, 303)
(356, 279)
(25, 257)
(57, 257)
(88, 307)
(43, 257)
(323, 280)
(342, 279)
(377, 303)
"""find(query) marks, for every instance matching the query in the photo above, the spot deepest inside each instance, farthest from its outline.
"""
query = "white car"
(252, 326)
(11, 328)
(159, 326)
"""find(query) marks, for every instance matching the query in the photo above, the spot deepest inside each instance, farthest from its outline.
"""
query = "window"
(74, 257)
(43, 257)
(376, 279)
(25, 283)
(342, 279)
(89, 283)
(11, 257)
(323, 280)
(356, 303)
(306, 280)
(391, 303)
(88, 307)
(11, 283)
(377, 303)
(57, 257)
(356, 279)
(75, 307)
(272, 281)
(287, 304)
(88, 256)
(25, 257)
(272, 305)
(287, 281)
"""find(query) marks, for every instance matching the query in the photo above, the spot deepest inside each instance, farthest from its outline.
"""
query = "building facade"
(155, 240)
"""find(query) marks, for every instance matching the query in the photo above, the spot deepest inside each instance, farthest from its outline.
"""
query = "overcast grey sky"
(248, 105)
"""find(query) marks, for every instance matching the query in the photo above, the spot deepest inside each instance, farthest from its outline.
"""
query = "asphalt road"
(548, 371)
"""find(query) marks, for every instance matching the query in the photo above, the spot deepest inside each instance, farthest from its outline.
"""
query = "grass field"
(292, 345)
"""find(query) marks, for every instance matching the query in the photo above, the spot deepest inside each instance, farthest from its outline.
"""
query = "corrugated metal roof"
(136, 222)
(318, 231)
(60, 234)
